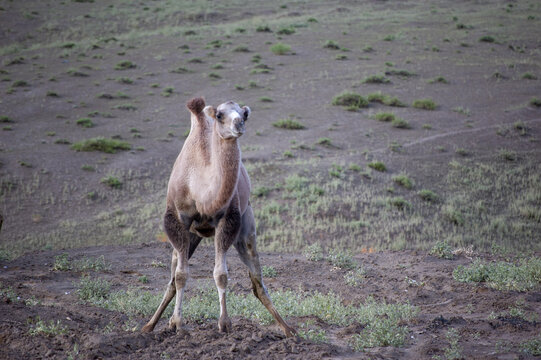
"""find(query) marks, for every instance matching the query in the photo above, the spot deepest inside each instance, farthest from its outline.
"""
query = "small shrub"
(126, 107)
(93, 290)
(280, 49)
(524, 276)
(377, 165)
(290, 124)
(529, 76)
(535, 102)
(331, 45)
(341, 57)
(261, 191)
(101, 144)
(269, 272)
(487, 39)
(399, 72)
(168, 91)
(425, 104)
(355, 277)
(61, 263)
(341, 259)
(124, 65)
(442, 250)
(428, 195)
(5, 119)
(52, 328)
(438, 79)
(111, 181)
(263, 28)
(313, 252)
(265, 99)
(400, 123)
(376, 79)
(399, 202)
(532, 346)
(241, 48)
(215, 76)
(20, 83)
(324, 141)
(350, 99)
(85, 122)
(403, 180)
(384, 116)
(76, 73)
(286, 31)
(52, 94)
(179, 70)
(393, 101)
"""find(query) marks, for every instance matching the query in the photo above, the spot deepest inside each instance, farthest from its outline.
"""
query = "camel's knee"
(221, 279)
(181, 277)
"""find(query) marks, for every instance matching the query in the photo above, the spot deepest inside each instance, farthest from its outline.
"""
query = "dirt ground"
(443, 304)
(75, 70)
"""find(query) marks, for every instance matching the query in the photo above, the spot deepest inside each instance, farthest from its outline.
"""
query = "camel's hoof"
(224, 325)
(147, 328)
(174, 324)
(290, 332)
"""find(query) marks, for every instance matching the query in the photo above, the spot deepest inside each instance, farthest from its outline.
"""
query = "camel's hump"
(196, 105)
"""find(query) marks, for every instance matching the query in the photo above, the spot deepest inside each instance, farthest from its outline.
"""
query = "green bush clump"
(109, 146)
(350, 99)
(425, 104)
(85, 122)
(524, 276)
(290, 124)
(377, 165)
(124, 65)
(280, 49)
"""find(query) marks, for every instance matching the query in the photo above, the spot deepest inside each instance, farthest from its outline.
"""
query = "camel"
(208, 195)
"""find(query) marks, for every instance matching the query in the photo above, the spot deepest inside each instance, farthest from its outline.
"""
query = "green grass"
(403, 180)
(290, 124)
(85, 122)
(535, 102)
(125, 65)
(428, 195)
(355, 277)
(268, 272)
(438, 79)
(377, 165)
(487, 39)
(350, 100)
(329, 44)
(442, 250)
(342, 259)
(286, 31)
(385, 116)
(52, 328)
(376, 79)
(313, 252)
(280, 49)
(532, 346)
(522, 276)
(425, 104)
(111, 181)
(109, 146)
(400, 123)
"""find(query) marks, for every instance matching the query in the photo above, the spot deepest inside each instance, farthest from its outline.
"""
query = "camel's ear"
(210, 111)
(247, 112)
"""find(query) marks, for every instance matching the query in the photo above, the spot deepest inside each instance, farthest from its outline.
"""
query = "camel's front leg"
(226, 232)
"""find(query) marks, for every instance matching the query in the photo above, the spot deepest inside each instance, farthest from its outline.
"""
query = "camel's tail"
(196, 105)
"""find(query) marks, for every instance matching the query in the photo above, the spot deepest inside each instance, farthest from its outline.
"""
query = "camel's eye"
(245, 115)
(219, 116)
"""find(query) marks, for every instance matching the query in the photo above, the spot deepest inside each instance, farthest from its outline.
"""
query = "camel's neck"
(222, 172)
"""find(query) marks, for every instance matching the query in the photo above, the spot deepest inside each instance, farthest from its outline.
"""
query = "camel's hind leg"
(246, 247)
(167, 296)
(184, 244)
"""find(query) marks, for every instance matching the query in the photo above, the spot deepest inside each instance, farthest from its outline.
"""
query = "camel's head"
(230, 119)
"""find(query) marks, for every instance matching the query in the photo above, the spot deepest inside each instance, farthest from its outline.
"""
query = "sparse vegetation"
(376, 79)
(313, 252)
(52, 328)
(289, 123)
(403, 180)
(524, 276)
(425, 104)
(350, 99)
(280, 49)
(110, 146)
(85, 122)
(377, 165)
(125, 65)
(442, 250)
